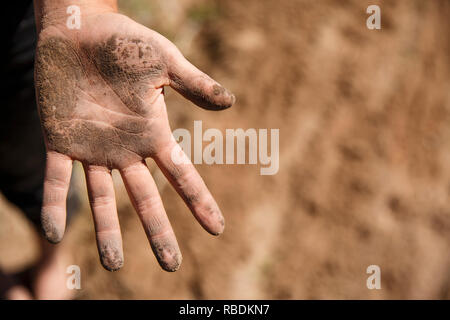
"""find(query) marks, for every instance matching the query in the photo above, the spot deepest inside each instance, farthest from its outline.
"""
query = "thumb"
(195, 85)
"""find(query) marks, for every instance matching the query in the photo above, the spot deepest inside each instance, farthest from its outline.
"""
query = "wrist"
(55, 12)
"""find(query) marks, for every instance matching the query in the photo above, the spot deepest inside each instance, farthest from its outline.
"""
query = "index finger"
(191, 187)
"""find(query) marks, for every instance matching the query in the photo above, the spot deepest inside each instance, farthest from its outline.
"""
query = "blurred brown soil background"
(364, 119)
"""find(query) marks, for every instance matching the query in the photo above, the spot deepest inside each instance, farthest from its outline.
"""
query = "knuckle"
(56, 183)
(101, 201)
(147, 203)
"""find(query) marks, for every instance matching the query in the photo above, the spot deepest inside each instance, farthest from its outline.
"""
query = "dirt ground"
(364, 119)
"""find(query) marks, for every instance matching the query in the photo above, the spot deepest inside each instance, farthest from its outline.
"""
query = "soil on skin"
(364, 177)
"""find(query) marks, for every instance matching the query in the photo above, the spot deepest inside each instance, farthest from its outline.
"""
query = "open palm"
(101, 101)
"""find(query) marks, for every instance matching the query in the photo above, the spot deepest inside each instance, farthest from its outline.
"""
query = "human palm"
(101, 101)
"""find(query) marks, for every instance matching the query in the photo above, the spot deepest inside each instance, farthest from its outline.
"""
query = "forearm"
(51, 12)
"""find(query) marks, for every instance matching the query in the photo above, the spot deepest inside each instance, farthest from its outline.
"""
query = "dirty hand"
(101, 101)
